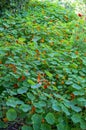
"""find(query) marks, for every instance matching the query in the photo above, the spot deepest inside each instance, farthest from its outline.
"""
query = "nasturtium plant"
(43, 68)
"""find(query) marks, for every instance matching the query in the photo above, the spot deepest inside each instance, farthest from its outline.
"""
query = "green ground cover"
(43, 68)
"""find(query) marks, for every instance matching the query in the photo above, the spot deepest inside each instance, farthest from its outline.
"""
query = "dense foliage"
(12, 5)
(43, 69)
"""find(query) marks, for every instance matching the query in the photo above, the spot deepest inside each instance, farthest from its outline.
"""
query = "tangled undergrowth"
(43, 69)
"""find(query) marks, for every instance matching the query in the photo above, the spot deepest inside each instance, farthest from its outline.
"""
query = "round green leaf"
(75, 108)
(50, 118)
(11, 114)
(65, 110)
(55, 106)
(40, 104)
(25, 107)
(76, 118)
(77, 87)
(83, 124)
(30, 96)
(36, 119)
(45, 127)
(22, 90)
(25, 127)
(2, 124)
(13, 102)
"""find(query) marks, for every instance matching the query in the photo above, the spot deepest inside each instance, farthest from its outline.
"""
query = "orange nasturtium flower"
(0, 62)
(19, 79)
(5, 119)
(23, 77)
(72, 96)
(39, 78)
(76, 52)
(37, 51)
(43, 120)
(13, 67)
(51, 20)
(15, 85)
(42, 40)
(62, 82)
(17, 41)
(33, 109)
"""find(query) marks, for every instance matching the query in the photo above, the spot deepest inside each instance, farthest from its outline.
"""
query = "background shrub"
(13, 5)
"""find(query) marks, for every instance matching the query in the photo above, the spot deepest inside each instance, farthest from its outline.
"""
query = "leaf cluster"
(43, 69)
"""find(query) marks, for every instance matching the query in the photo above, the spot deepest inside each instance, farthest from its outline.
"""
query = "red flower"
(80, 15)
(19, 79)
(23, 77)
(15, 86)
(45, 86)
